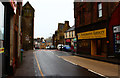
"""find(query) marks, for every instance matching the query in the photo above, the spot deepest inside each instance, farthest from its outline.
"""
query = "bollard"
(22, 55)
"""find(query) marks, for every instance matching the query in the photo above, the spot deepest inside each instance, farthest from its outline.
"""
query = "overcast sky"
(48, 13)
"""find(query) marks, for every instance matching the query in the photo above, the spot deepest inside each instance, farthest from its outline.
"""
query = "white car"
(59, 46)
(48, 47)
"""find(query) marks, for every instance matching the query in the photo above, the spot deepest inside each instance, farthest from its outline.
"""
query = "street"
(46, 63)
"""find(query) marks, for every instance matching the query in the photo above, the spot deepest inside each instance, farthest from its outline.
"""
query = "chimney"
(67, 23)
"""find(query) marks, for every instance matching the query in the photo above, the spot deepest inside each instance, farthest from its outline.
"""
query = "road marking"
(70, 62)
(66, 60)
(97, 73)
(84, 67)
(39, 66)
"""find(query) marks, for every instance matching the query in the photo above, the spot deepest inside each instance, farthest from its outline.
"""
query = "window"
(100, 9)
(69, 34)
(66, 35)
(1, 21)
(1, 27)
(72, 33)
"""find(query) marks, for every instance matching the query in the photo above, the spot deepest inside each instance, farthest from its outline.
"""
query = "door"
(98, 46)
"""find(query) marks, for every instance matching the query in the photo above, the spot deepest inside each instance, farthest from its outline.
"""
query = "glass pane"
(1, 21)
(100, 13)
(99, 6)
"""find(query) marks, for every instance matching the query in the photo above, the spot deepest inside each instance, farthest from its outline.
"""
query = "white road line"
(70, 62)
(66, 60)
(97, 73)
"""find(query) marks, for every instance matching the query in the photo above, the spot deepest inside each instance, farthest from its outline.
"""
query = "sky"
(48, 13)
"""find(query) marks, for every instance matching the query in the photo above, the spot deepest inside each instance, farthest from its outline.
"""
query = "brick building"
(92, 27)
(10, 37)
(27, 26)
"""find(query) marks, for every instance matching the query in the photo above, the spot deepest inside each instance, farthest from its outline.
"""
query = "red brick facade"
(87, 19)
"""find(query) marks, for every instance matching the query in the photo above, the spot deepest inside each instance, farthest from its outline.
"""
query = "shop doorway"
(98, 47)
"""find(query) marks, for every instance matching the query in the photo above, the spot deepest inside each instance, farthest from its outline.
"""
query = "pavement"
(28, 68)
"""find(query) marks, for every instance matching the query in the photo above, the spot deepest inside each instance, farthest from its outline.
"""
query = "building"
(37, 43)
(53, 39)
(49, 41)
(93, 34)
(114, 35)
(43, 44)
(59, 33)
(70, 38)
(10, 36)
(27, 26)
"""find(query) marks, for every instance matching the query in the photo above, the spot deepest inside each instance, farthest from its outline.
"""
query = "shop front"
(75, 43)
(114, 34)
(93, 42)
(68, 42)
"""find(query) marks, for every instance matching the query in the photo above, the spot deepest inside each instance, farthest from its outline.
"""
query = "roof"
(27, 3)
(71, 29)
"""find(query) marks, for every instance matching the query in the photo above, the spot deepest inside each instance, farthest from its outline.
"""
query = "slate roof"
(71, 29)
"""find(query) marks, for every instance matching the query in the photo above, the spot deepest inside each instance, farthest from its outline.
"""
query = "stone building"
(92, 28)
(56, 39)
(61, 29)
(27, 26)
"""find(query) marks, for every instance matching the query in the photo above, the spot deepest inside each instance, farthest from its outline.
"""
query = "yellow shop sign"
(92, 34)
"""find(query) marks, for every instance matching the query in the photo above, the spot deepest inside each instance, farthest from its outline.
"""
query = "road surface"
(50, 65)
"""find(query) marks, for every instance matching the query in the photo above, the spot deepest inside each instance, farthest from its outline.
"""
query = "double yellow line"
(39, 66)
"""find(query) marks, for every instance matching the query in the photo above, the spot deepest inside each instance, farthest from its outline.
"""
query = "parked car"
(37, 46)
(66, 48)
(52, 47)
(60, 46)
(48, 47)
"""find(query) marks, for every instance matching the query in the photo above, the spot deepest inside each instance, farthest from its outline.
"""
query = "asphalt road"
(48, 64)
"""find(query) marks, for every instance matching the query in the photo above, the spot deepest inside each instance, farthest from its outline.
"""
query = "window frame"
(99, 9)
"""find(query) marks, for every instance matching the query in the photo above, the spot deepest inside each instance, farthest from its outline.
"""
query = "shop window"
(1, 25)
(72, 33)
(99, 9)
(66, 35)
(69, 34)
